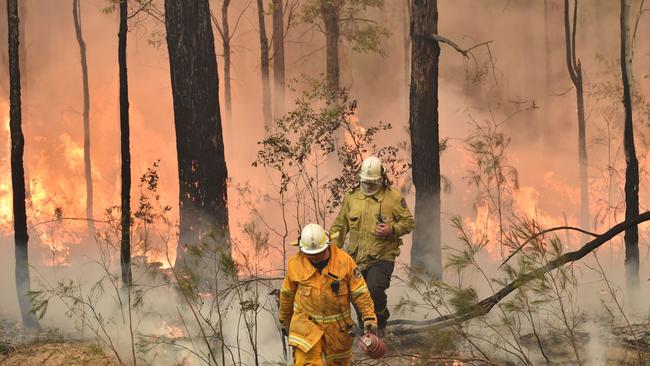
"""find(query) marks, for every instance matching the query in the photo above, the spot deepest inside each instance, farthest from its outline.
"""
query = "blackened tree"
(278, 59)
(21, 238)
(76, 15)
(425, 145)
(632, 164)
(575, 72)
(330, 12)
(264, 62)
(125, 245)
(341, 21)
(202, 172)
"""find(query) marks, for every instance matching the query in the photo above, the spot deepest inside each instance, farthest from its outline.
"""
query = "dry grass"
(58, 353)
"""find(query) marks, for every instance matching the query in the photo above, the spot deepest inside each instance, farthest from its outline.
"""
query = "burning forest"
(363, 182)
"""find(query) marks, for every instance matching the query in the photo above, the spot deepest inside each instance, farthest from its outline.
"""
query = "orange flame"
(6, 205)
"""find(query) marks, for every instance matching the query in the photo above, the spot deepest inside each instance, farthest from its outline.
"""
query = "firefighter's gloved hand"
(369, 327)
(285, 330)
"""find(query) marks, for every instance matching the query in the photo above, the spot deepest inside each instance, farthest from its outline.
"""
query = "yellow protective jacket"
(359, 216)
(313, 306)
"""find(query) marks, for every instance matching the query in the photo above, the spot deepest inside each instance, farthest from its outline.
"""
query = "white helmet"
(313, 239)
(371, 170)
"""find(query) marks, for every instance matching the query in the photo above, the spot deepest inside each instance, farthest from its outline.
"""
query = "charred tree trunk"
(632, 164)
(21, 238)
(125, 247)
(226, 62)
(425, 145)
(76, 14)
(330, 14)
(24, 83)
(278, 58)
(575, 72)
(202, 172)
(22, 15)
(266, 83)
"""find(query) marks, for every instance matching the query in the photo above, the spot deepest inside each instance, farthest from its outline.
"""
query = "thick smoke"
(519, 80)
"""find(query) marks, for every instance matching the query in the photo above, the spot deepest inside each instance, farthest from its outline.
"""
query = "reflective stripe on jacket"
(313, 305)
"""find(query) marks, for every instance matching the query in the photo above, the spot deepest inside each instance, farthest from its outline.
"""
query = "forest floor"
(48, 348)
(613, 345)
(619, 347)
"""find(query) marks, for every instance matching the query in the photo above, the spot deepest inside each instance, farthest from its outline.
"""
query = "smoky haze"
(520, 79)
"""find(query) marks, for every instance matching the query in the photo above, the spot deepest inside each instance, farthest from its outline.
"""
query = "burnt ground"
(48, 348)
(619, 345)
(624, 345)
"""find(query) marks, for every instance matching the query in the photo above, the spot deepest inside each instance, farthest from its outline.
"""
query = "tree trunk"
(125, 247)
(21, 238)
(278, 58)
(575, 72)
(202, 172)
(22, 54)
(632, 164)
(266, 83)
(554, 72)
(330, 13)
(76, 14)
(407, 51)
(425, 146)
(226, 62)
(24, 83)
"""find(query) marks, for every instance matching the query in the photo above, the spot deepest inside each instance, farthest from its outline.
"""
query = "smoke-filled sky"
(523, 66)
(517, 78)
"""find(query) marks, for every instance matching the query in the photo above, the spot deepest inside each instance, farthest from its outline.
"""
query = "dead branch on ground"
(485, 306)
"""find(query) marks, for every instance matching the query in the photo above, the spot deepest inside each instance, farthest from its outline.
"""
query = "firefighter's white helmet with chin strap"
(313, 239)
(371, 170)
(371, 175)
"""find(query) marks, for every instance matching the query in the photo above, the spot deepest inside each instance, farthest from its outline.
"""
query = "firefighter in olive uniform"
(375, 217)
(315, 297)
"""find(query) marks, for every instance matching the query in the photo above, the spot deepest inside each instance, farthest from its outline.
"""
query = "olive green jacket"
(359, 216)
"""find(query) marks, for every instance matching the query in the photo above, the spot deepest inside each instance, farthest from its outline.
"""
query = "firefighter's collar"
(332, 269)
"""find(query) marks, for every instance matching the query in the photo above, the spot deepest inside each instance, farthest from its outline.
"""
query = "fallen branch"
(484, 306)
(542, 233)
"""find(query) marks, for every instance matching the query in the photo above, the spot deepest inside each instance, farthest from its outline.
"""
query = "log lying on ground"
(484, 306)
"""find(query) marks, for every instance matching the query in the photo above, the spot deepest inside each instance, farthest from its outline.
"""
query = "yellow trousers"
(318, 355)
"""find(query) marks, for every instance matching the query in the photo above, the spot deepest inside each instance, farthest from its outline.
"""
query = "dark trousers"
(377, 278)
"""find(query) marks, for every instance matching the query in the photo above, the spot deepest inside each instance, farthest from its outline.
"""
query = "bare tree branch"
(570, 41)
(542, 233)
(215, 21)
(454, 45)
(638, 17)
(234, 29)
(142, 7)
(359, 19)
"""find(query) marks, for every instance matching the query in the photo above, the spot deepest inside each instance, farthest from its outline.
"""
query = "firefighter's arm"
(360, 296)
(287, 295)
(340, 225)
(404, 222)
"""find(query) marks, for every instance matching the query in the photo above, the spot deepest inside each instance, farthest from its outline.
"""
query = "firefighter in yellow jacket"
(375, 217)
(315, 297)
